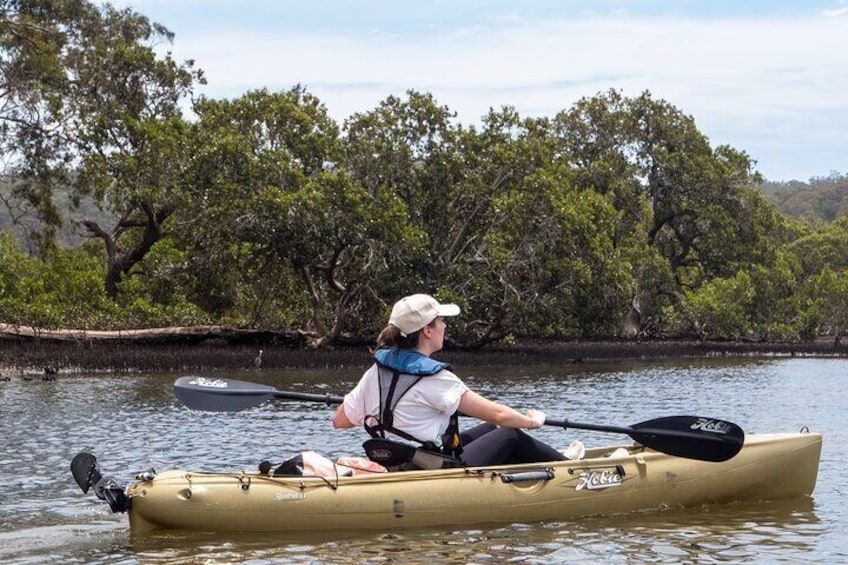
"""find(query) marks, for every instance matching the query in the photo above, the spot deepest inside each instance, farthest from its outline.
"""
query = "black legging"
(486, 444)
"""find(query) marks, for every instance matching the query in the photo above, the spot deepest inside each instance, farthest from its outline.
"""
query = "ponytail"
(391, 337)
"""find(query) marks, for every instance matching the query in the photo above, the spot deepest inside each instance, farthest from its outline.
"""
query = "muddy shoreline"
(33, 357)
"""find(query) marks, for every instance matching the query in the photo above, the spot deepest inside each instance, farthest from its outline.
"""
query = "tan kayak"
(769, 466)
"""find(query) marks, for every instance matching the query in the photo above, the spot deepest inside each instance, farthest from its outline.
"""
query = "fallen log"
(172, 335)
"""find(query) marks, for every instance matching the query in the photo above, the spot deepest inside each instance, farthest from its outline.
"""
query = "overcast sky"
(769, 77)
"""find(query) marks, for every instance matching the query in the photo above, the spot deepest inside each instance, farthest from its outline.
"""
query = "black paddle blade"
(694, 437)
(220, 395)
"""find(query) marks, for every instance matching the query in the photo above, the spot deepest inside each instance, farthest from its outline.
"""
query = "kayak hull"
(769, 467)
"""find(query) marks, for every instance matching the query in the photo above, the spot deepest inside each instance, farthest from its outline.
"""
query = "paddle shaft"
(327, 399)
(637, 434)
(566, 424)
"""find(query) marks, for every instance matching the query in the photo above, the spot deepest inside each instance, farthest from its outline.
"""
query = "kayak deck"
(769, 467)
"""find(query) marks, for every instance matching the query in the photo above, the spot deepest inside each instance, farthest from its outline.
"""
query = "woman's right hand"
(537, 419)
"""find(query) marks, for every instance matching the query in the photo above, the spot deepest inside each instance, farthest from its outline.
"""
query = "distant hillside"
(822, 198)
(69, 235)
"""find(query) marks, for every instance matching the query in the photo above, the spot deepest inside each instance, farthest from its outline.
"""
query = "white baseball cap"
(411, 313)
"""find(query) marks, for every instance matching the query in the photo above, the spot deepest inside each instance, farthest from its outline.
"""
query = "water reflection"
(133, 422)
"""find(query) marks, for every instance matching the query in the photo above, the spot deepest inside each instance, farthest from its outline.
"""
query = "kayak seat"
(397, 456)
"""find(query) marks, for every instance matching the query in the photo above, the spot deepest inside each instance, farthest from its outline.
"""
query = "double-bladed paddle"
(692, 437)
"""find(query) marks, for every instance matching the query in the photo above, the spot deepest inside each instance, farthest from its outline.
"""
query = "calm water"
(133, 422)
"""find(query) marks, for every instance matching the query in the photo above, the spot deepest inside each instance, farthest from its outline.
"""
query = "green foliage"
(267, 179)
(13, 264)
(718, 309)
(556, 244)
(777, 313)
(64, 290)
(823, 248)
(686, 213)
(154, 296)
(827, 292)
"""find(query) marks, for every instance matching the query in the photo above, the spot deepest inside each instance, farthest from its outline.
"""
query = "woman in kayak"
(408, 396)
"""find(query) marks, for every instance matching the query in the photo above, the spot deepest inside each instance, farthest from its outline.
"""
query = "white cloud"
(836, 13)
(708, 56)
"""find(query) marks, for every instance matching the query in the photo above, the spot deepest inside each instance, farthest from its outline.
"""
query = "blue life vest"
(398, 371)
(408, 362)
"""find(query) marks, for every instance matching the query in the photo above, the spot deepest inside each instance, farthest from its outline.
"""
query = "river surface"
(133, 422)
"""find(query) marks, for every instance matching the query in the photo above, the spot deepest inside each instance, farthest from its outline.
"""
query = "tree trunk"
(120, 263)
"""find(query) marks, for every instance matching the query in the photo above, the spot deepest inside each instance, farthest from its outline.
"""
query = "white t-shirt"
(423, 412)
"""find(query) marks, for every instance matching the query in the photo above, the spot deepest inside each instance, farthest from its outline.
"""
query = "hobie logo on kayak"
(715, 426)
(202, 381)
(597, 480)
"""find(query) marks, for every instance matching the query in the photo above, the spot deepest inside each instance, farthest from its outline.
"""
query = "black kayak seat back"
(398, 456)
